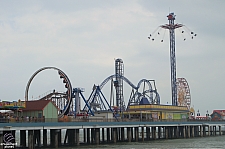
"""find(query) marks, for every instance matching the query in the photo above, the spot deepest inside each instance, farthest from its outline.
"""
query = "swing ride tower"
(171, 27)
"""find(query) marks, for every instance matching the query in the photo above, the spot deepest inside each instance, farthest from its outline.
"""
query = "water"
(191, 143)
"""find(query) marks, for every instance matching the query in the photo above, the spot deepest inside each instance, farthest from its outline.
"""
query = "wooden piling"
(31, 139)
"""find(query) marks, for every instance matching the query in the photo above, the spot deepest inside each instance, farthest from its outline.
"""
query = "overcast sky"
(82, 38)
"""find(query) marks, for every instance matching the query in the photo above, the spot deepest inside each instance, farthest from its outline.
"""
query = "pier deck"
(49, 134)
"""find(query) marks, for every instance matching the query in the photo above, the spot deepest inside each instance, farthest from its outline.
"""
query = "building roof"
(36, 105)
(221, 112)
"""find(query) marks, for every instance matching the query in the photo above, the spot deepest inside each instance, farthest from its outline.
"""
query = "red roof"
(36, 105)
(222, 112)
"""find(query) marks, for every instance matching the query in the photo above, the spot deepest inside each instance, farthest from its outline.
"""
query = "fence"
(93, 119)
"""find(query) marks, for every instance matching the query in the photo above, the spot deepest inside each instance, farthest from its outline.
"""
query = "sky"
(84, 37)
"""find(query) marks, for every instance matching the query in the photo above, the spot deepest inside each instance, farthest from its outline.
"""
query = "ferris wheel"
(183, 93)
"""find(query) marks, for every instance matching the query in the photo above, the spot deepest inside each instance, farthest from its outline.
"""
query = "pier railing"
(69, 119)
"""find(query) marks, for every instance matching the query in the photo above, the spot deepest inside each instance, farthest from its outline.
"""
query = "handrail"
(94, 119)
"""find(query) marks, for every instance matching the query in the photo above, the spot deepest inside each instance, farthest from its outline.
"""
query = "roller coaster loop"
(65, 80)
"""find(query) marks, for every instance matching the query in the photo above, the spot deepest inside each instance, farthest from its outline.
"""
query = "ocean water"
(213, 142)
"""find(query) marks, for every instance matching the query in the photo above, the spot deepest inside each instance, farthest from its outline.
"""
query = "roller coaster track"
(127, 81)
(65, 80)
(69, 94)
(150, 90)
(50, 95)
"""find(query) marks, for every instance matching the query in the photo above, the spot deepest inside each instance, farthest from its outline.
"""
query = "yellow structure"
(12, 105)
(161, 112)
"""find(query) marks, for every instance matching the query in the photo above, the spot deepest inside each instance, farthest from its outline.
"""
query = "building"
(12, 105)
(218, 115)
(40, 109)
(157, 112)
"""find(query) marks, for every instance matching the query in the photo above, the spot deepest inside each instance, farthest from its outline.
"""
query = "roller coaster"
(64, 100)
(69, 101)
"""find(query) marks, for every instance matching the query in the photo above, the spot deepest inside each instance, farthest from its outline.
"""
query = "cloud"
(84, 37)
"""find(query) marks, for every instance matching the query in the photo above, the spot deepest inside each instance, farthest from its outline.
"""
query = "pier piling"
(31, 139)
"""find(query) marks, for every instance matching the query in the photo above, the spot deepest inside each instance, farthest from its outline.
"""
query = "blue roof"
(144, 101)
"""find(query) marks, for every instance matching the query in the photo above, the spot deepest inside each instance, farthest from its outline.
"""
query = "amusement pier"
(58, 119)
